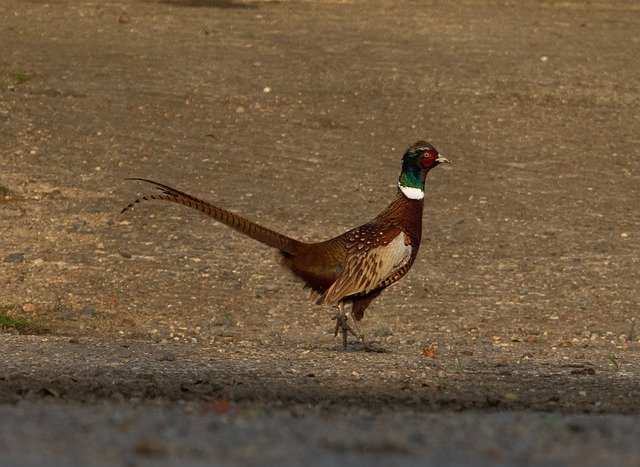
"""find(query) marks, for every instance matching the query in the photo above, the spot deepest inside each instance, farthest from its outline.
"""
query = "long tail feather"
(251, 229)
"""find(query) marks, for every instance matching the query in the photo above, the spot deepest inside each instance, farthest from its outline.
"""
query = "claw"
(342, 325)
(366, 345)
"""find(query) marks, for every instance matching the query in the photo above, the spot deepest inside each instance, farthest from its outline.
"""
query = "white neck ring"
(411, 192)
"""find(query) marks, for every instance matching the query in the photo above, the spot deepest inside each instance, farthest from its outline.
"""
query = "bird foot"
(366, 344)
(343, 327)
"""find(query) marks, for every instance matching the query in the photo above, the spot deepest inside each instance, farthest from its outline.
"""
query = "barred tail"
(251, 229)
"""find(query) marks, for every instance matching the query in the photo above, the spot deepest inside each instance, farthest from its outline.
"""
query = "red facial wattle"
(428, 158)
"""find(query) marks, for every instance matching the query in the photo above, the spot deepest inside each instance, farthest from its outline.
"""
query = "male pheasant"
(354, 267)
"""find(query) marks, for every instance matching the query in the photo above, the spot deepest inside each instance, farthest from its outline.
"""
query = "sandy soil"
(525, 294)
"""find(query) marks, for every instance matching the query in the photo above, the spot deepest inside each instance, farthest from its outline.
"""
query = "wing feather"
(366, 267)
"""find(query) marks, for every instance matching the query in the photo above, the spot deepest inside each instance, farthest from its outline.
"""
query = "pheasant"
(354, 267)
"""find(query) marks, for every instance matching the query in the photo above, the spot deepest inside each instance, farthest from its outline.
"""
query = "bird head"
(416, 163)
(424, 156)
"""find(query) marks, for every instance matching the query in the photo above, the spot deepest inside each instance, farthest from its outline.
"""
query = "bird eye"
(428, 157)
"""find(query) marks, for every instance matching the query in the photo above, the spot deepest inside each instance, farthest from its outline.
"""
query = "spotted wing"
(372, 257)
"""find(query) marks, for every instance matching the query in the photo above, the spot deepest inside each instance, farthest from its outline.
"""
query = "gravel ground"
(161, 336)
(129, 402)
(206, 434)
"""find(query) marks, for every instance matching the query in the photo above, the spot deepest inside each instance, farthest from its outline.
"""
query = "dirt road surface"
(158, 335)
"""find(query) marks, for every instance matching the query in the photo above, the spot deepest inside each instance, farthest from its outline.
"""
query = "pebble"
(79, 224)
(6, 213)
(168, 357)
(201, 267)
(16, 257)
(68, 315)
(88, 311)
(124, 17)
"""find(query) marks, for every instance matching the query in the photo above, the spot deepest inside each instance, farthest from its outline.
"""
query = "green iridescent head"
(416, 163)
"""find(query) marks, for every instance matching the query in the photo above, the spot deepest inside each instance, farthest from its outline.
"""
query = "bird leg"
(357, 313)
(360, 335)
(342, 325)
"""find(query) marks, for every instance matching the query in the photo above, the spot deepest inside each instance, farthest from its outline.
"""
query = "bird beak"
(443, 159)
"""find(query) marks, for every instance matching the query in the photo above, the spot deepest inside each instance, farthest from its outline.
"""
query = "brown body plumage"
(351, 268)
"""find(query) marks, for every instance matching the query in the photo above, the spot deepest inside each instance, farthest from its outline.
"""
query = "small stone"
(583, 371)
(48, 392)
(28, 308)
(202, 267)
(79, 224)
(124, 17)
(168, 357)
(624, 235)
(128, 322)
(46, 189)
(69, 316)
(510, 396)
(6, 213)
(88, 311)
(16, 257)
(38, 262)
(266, 89)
